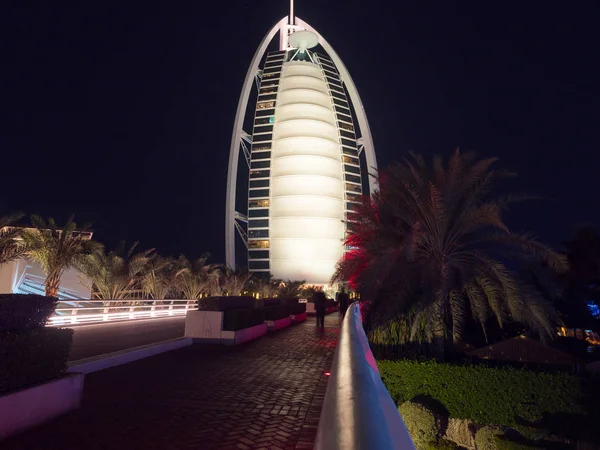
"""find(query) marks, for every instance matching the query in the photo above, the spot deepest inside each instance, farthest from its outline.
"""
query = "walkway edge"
(101, 362)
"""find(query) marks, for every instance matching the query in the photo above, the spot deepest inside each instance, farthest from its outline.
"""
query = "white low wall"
(279, 324)
(207, 327)
(33, 406)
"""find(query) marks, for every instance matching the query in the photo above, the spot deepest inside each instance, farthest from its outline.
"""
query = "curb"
(101, 362)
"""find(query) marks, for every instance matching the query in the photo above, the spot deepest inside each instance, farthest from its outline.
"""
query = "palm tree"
(291, 288)
(194, 278)
(56, 249)
(230, 281)
(10, 245)
(430, 247)
(114, 274)
(158, 278)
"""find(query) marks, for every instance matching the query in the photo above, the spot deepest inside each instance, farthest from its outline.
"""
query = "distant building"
(23, 277)
(303, 157)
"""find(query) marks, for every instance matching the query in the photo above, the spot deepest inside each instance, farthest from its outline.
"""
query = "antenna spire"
(291, 19)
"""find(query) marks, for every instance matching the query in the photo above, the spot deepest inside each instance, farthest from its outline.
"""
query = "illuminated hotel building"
(303, 157)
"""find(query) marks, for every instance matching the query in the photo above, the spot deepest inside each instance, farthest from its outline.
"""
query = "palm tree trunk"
(52, 285)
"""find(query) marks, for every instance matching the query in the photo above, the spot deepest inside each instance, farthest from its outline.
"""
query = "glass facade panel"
(353, 188)
(260, 164)
(347, 134)
(351, 169)
(259, 183)
(265, 112)
(258, 244)
(258, 254)
(261, 155)
(341, 108)
(254, 193)
(262, 137)
(352, 178)
(258, 212)
(258, 223)
(265, 105)
(261, 147)
(348, 143)
(260, 173)
(254, 233)
(264, 203)
(258, 265)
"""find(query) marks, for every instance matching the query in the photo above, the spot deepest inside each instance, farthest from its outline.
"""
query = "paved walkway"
(266, 394)
(98, 339)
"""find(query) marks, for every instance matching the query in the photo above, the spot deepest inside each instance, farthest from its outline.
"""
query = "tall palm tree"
(194, 278)
(56, 249)
(11, 246)
(114, 274)
(431, 247)
(158, 279)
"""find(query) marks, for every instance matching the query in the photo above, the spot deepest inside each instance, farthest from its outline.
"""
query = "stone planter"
(245, 335)
(207, 327)
(275, 325)
(297, 318)
(29, 407)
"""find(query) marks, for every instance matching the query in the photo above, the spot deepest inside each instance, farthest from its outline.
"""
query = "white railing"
(79, 312)
(358, 412)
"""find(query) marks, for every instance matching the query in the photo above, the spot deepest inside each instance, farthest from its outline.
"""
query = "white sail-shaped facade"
(305, 174)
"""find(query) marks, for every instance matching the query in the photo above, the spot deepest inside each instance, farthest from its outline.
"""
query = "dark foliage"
(225, 303)
(238, 319)
(24, 311)
(33, 356)
(276, 312)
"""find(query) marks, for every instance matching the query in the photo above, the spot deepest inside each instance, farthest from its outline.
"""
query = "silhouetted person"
(319, 299)
(344, 302)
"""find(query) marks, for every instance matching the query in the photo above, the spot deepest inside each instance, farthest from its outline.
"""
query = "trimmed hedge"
(238, 319)
(225, 303)
(33, 356)
(276, 312)
(24, 311)
(486, 395)
(298, 308)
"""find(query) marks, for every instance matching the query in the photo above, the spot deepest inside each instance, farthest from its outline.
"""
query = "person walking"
(319, 300)
(344, 302)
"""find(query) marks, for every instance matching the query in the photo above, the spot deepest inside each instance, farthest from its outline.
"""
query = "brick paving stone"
(264, 394)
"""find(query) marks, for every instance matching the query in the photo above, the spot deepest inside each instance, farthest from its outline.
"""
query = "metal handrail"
(358, 412)
(84, 311)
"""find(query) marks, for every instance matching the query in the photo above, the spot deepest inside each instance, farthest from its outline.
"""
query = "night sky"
(122, 113)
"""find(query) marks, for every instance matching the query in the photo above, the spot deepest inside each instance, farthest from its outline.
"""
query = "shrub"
(238, 319)
(225, 303)
(276, 312)
(298, 308)
(485, 395)
(24, 311)
(422, 423)
(485, 438)
(289, 301)
(33, 356)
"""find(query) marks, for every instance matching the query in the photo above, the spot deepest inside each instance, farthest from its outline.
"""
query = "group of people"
(320, 300)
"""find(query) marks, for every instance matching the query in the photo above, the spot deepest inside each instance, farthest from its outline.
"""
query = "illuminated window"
(353, 188)
(264, 203)
(265, 105)
(258, 244)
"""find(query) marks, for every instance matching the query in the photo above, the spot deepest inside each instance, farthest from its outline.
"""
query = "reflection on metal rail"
(358, 412)
(77, 312)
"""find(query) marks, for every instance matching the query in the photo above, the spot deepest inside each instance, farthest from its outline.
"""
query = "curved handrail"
(358, 412)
